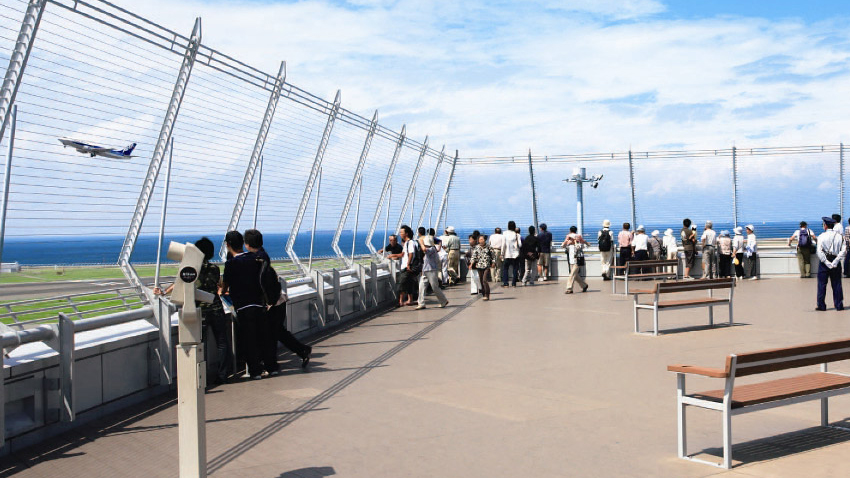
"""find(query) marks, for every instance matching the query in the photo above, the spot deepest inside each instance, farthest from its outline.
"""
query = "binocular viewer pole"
(191, 367)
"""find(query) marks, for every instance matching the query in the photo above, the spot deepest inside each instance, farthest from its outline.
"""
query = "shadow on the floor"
(400, 323)
(311, 472)
(696, 328)
(780, 446)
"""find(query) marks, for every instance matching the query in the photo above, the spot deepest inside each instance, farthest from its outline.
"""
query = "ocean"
(80, 250)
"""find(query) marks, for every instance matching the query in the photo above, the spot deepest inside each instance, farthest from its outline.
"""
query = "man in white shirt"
(606, 248)
(838, 227)
(709, 251)
(451, 243)
(496, 241)
(510, 254)
(640, 244)
(408, 278)
(831, 251)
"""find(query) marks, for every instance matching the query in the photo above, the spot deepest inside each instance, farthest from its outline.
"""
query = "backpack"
(605, 241)
(416, 261)
(269, 283)
(804, 240)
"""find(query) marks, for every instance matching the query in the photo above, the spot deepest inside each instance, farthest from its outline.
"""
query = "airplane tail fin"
(129, 149)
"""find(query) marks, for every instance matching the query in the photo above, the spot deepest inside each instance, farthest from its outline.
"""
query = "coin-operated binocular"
(184, 293)
(191, 368)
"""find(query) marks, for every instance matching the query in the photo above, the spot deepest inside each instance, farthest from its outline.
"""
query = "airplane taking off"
(93, 150)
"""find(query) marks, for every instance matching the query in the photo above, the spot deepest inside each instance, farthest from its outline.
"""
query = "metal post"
(442, 212)
(163, 212)
(413, 207)
(18, 60)
(356, 219)
(430, 195)
(632, 186)
(156, 159)
(256, 154)
(582, 173)
(257, 194)
(841, 180)
(315, 218)
(308, 189)
(7, 176)
(387, 216)
(735, 185)
(387, 183)
(533, 192)
(357, 180)
(412, 189)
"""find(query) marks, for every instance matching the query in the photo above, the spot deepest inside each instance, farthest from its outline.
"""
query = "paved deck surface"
(533, 383)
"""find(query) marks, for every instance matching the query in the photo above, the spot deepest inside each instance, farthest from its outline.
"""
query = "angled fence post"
(18, 60)
(735, 185)
(358, 174)
(443, 203)
(429, 196)
(156, 160)
(7, 177)
(412, 188)
(533, 190)
(257, 193)
(386, 187)
(308, 189)
(254, 161)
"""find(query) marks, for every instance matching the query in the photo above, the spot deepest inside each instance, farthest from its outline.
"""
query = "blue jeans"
(512, 265)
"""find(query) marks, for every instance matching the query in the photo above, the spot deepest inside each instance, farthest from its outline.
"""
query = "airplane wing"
(96, 149)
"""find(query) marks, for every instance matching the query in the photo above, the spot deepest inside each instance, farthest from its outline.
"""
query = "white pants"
(444, 266)
(606, 257)
(575, 277)
(430, 277)
(475, 283)
(672, 255)
(530, 271)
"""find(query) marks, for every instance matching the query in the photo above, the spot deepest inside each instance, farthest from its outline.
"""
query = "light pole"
(580, 177)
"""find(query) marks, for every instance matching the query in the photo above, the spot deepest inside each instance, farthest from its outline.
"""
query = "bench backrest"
(660, 262)
(693, 285)
(790, 357)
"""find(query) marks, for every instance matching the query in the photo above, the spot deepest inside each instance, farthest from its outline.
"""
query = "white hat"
(428, 241)
(450, 229)
(668, 232)
(738, 230)
(708, 223)
(751, 227)
(655, 233)
(640, 228)
(606, 223)
(724, 232)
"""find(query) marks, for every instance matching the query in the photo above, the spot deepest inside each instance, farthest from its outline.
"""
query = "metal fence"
(772, 188)
(234, 146)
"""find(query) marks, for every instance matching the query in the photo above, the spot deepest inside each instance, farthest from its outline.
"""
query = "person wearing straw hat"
(430, 269)
(738, 252)
(640, 243)
(831, 251)
(655, 246)
(751, 253)
(451, 243)
(605, 241)
(724, 254)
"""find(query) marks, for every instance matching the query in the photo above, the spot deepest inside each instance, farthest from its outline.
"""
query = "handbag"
(579, 257)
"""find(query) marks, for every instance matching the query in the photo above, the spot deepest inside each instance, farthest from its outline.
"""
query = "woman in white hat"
(738, 252)
(669, 246)
(605, 241)
(641, 247)
(751, 252)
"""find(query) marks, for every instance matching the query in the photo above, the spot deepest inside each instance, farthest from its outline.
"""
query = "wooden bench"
(662, 288)
(660, 267)
(734, 400)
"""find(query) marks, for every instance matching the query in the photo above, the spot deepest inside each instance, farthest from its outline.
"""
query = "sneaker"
(305, 360)
(274, 373)
(444, 304)
(421, 306)
(257, 377)
(246, 375)
(584, 289)
(753, 278)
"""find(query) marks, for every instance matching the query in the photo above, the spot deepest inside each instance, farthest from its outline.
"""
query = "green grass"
(104, 300)
(49, 274)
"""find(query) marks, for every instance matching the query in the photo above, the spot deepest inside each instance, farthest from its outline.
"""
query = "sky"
(500, 77)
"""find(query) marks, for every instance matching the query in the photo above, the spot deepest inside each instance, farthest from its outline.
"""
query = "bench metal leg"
(711, 315)
(730, 313)
(824, 412)
(681, 418)
(637, 326)
(727, 438)
(655, 321)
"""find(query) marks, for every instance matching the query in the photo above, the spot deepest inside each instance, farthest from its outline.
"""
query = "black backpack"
(270, 283)
(416, 261)
(605, 241)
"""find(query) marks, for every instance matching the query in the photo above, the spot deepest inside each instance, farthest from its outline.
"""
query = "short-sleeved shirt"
(709, 236)
(242, 276)
(544, 239)
(393, 249)
(688, 244)
(431, 261)
(409, 248)
(624, 238)
(641, 242)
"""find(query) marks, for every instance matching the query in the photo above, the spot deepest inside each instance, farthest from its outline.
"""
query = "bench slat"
(679, 303)
(745, 395)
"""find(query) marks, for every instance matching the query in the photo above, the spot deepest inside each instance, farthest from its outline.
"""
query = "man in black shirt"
(242, 282)
(277, 311)
(393, 249)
